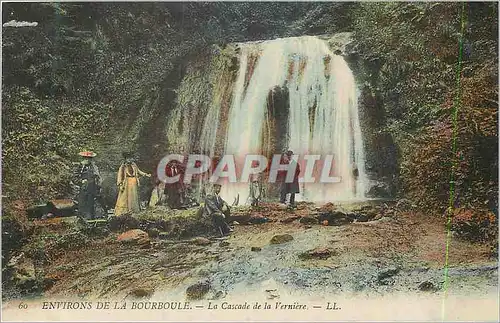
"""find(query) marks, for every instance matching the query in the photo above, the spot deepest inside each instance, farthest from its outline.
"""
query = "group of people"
(175, 195)
(88, 181)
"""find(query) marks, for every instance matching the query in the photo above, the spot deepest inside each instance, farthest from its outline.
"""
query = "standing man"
(255, 190)
(88, 180)
(293, 187)
(175, 192)
(355, 176)
(218, 210)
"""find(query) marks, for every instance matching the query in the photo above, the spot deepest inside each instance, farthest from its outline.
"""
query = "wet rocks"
(198, 290)
(427, 286)
(317, 253)
(258, 219)
(135, 236)
(384, 277)
(308, 220)
(281, 238)
(249, 219)
(201, 241)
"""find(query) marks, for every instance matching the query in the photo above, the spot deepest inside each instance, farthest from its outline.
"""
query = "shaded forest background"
(103, 76)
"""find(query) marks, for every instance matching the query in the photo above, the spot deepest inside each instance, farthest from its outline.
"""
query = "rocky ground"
(366, 249)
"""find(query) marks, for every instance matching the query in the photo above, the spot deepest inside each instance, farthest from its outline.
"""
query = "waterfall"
(322, 118)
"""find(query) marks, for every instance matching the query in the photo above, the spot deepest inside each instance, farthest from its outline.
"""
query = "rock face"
(136, 237)
(281, 238)
(335, 218)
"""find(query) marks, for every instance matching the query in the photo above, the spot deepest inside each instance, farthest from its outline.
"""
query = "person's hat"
(88, 154)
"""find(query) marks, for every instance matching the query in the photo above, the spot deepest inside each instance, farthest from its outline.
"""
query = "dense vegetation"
(91, 75)
(422, 86)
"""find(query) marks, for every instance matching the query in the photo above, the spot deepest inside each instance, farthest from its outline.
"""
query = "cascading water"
(322, 119)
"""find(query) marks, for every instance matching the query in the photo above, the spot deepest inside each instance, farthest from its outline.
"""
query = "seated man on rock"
(218, 210)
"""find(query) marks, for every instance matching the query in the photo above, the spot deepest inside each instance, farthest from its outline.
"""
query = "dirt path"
(393, 254)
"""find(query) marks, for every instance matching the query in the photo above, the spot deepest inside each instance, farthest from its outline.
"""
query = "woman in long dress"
(128, 187)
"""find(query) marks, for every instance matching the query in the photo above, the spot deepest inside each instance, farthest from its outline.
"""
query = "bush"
(474, 225)
(418, 47)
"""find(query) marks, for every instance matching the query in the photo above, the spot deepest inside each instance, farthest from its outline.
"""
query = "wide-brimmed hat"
(88, 154)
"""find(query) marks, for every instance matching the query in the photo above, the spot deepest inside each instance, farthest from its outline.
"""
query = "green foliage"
(475, 225)
(416, 46)
(94, 75)
(41, 139)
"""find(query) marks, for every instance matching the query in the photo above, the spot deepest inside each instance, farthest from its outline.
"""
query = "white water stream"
(318, 82)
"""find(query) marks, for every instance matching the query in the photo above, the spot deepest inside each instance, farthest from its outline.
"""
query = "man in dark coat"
(355, 176)
(218, 210)
(88, 180)
(289, 188)
(175, 192)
